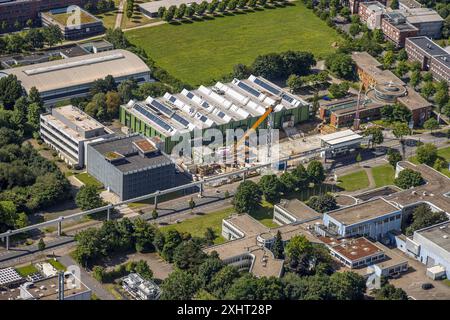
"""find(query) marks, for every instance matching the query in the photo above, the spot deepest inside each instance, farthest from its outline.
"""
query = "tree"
(423, 217)
(298, 251)
(35, 97)
(155, 214)
(143, 270)
(41, 245)
(288, 181)
(15, 43)
(191, 204)
(161, 11)
(322, 203)
(210, 235)
(113, 101)
(341, 65)
(179, 285)
(358, 157)
(316, 172)
(247, 197)
(127, 88)
(400, 130)
(35, 39)
(269, 66)
(388, 59)
(427, 153)
(408, 178)
(427, 90)
(376, 133)
(188, 256)
(431, 124)
(52, 35)
(33, 115)
(301, 176)
(10, 90)
(354, 29)
(172, 240)
(415, 78)
(338, 91)
(270, 187)
(144, 235)
(390, 292)
(241, 71)
(180, 11)
(394, 4)
(88, 198)
(295, 83)
(97, 108)
(347, 286)
(277, 247)
(393, 157)
(168, 15)
(244, 288)
(401, 69)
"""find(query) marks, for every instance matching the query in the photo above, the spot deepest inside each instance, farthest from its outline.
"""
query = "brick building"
(396, 28)
(431, 56)
(24, 10)
(372, 13)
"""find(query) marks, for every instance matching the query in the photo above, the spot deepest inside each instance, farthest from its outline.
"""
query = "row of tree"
(248, 195)
(31, 40)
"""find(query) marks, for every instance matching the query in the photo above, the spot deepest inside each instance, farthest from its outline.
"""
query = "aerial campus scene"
(209, 150)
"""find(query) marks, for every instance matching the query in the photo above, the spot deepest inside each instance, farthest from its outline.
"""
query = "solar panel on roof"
(205, 105)
(287, 98)
(180, 119)
(267, 86)
(221, 114)
(249, 89)
(146, 113)
(162, 108)
(190, 95)
(172, 99)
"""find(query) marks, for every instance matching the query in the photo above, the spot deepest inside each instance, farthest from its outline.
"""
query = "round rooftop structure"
(388, 92)
(265, 239)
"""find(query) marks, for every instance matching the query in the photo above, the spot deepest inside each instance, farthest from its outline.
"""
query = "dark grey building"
(130, 166)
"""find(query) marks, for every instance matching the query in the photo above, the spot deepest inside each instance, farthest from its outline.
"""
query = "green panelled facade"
(135, 124)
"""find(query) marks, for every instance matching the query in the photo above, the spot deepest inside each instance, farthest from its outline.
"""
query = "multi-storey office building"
(68, 130)
(238, 104)
(130, 166)
(427, 21)
(12, 11)
(431, 56)
(371, 13)
(73, 77)
(396, 28)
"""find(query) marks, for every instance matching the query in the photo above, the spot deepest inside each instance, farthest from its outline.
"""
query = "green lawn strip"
(201, 51)
(57, 265)
(383, 175)
(198, 225)
(27, 270)
(264, 214)
(354, 181)
(87, 179)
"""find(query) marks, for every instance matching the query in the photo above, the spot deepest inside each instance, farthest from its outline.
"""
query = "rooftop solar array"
(220, 104)
(9, 276)
(144, 111)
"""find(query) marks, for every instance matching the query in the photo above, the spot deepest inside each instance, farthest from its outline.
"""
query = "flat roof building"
(374, 218)
(139, 288)
(69, 130)
(409, 4)
(430, 55)
(68, 78)
(130, 166)
(427, 20)
(396, 28)
(74, 23)
(340, 142)
(371, 13)
(293, 211)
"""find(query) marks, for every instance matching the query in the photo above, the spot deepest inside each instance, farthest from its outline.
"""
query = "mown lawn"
(354, 181)
(87, 179)
(198, 225)
(26, 270)
(264, 214)
(57, 265)
(383, 175)
(204, 50)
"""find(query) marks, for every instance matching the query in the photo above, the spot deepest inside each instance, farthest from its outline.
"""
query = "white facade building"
(68, 130)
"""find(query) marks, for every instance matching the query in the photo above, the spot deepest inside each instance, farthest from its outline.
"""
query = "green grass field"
(198, 225)
(87, 179)
(354, 181)
(204, 50)
(26, 270)
(383, 175)
(264, 214)
(57, 265)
